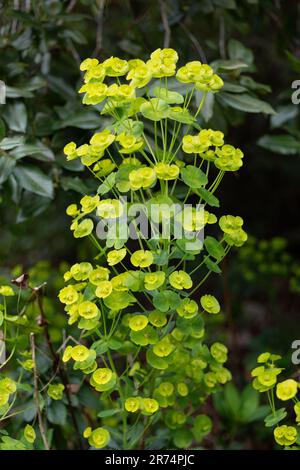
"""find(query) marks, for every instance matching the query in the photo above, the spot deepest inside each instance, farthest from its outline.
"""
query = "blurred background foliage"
(255, 46)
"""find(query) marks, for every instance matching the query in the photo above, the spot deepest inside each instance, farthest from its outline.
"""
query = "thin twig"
(99, 30)
(194, 41)
(222, 38)
(57, 368)
(165, 22)
(36, 394)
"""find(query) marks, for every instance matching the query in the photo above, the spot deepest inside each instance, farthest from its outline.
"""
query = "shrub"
(139, 308)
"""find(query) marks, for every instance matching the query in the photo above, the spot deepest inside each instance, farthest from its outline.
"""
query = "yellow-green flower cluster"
(202, 75)
(84, 358)
(224, 156)
(147, 406)
(232, 228)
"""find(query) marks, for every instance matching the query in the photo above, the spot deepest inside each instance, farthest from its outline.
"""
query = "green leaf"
(2, 129)
(36, 150)
(34, 180)
(108, 184)
(212, 266)
(170, 97)
(250, 400)
(166, 300)
(274, 418)
(284, 114)
(237, 51)
(7, 165)
(245, 102)
(9, 143)
(232, 399)
(208, 197)
(57, 413)
(155, 109)
(214, 248)
(108, 413)
(193, 177)
(283, 144)
(118, 300)
(15, 116)
(155, 361)
(73, 183)
(229, 65)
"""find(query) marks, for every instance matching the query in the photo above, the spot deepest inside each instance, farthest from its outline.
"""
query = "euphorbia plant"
(140, 305)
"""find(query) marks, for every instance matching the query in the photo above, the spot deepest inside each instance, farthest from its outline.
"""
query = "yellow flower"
(6, 291)
(142, 258)
(98, 275)
(115, 256)
(4, 397)
(29, 434)
(70, 151)
(187, 309)
(132, 404)
(8, 385)
(149, 405)
(87, 432)
(166, 389)
(88, 310)
(157, 319)
(104, 289)
(163, 348)
(99, 438)
(88, 63)
(129, 143)
(142, 178)
(72, 210)
(285, 435)
(138, 322)
(154, 280)
(166, 172)
(80, 353)
(287, 389)
(55, 391)
(110, 209)
(89, 203)
(182, 389)
(81, 271)
(67, 354)
(180, 280)
(210, 304)
(102, 376)
(115, 67)
(140, 74)
(102, 140)
(68, 295)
